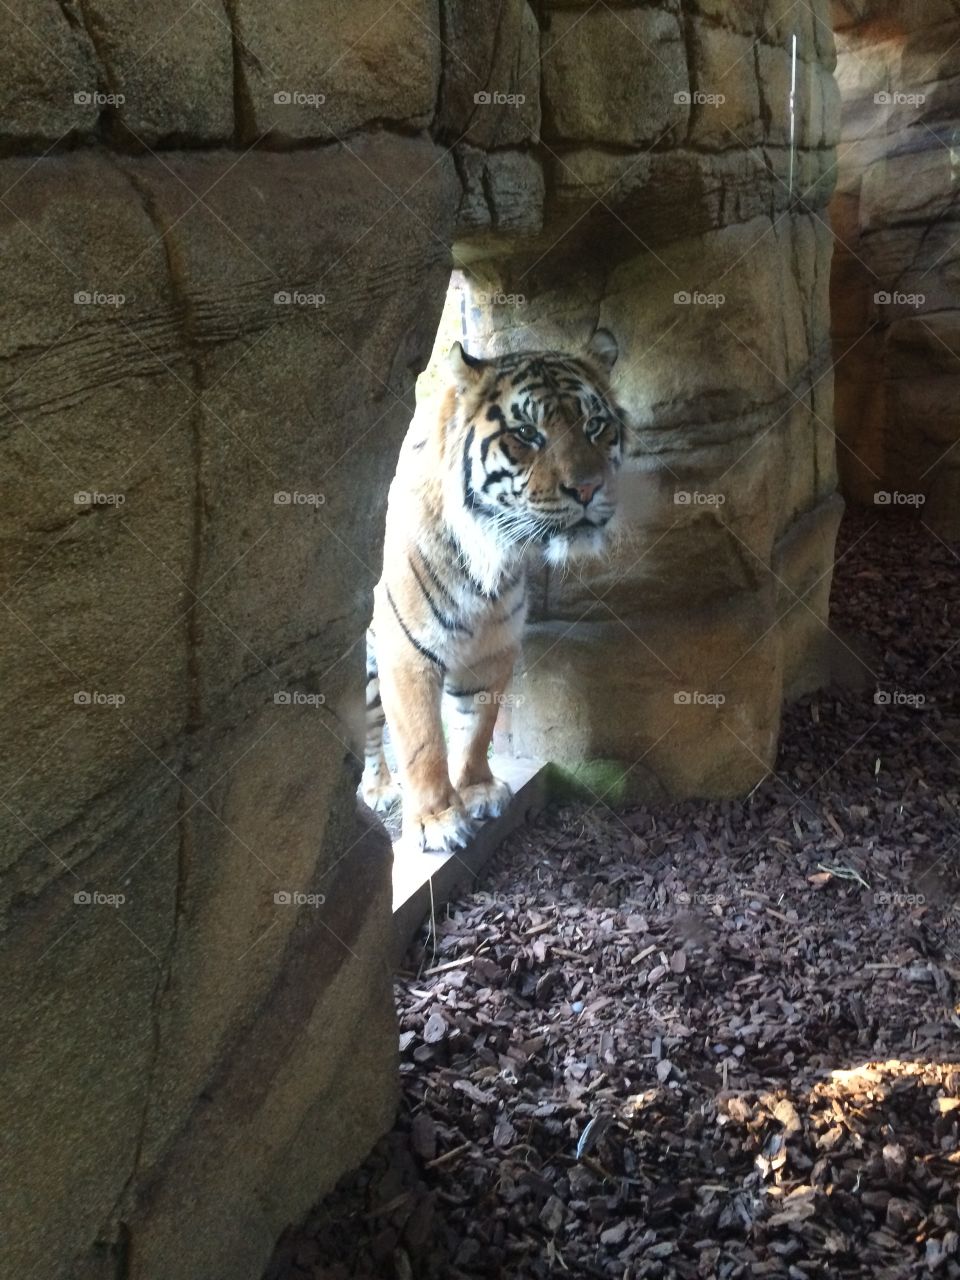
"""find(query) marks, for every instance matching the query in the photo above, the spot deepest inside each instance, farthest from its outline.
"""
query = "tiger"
(521, 461)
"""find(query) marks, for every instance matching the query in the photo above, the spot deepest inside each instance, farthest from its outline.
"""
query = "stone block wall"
(228, 233)
(896, 272)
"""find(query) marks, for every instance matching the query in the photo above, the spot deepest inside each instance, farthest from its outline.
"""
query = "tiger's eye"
(525, 432)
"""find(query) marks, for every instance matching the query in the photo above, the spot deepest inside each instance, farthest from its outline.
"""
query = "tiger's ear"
(466, 370)
(603, 348)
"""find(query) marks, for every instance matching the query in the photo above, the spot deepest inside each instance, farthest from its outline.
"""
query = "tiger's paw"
(379, 795)
(443, 831)
(486, 799)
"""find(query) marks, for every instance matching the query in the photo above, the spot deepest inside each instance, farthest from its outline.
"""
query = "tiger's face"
(541, 441)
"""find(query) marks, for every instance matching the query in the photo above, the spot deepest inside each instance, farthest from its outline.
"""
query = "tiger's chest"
(486, 623)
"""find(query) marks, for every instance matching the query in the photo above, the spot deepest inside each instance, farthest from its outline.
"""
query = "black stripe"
(432, 657)
(493, 596)
(464, 693)
(435, 579)
(495, 414)
(490, 440)
(493, 477)
(477, 590)
(447, 623)
(470, 499)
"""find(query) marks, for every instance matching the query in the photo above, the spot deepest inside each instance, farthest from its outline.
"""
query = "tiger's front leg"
(434, 816)
(476, 696)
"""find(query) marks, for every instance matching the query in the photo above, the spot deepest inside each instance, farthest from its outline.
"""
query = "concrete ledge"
(425, 881)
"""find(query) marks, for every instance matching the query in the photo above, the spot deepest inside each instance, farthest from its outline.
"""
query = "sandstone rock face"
(897, 264)
(195, 918)
(309, 73)
(613, 77)
(228, 237)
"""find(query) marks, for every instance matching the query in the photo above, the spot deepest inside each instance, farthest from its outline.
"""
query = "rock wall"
(896, 270)
(227, 235)
(684, 191)
(213, 316)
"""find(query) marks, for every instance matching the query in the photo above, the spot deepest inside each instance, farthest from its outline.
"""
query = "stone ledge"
(423, 882)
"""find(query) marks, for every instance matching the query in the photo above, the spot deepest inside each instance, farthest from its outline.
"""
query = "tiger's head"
(538, 441)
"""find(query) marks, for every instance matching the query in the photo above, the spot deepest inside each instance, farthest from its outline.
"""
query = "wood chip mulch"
(718, 1039)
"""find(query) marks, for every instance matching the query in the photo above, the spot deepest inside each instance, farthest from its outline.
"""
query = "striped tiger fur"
(521, 460)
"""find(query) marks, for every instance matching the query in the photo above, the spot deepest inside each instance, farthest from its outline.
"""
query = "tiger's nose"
(584, 491)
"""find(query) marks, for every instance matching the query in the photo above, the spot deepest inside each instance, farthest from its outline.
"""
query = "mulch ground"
(719, 1039)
